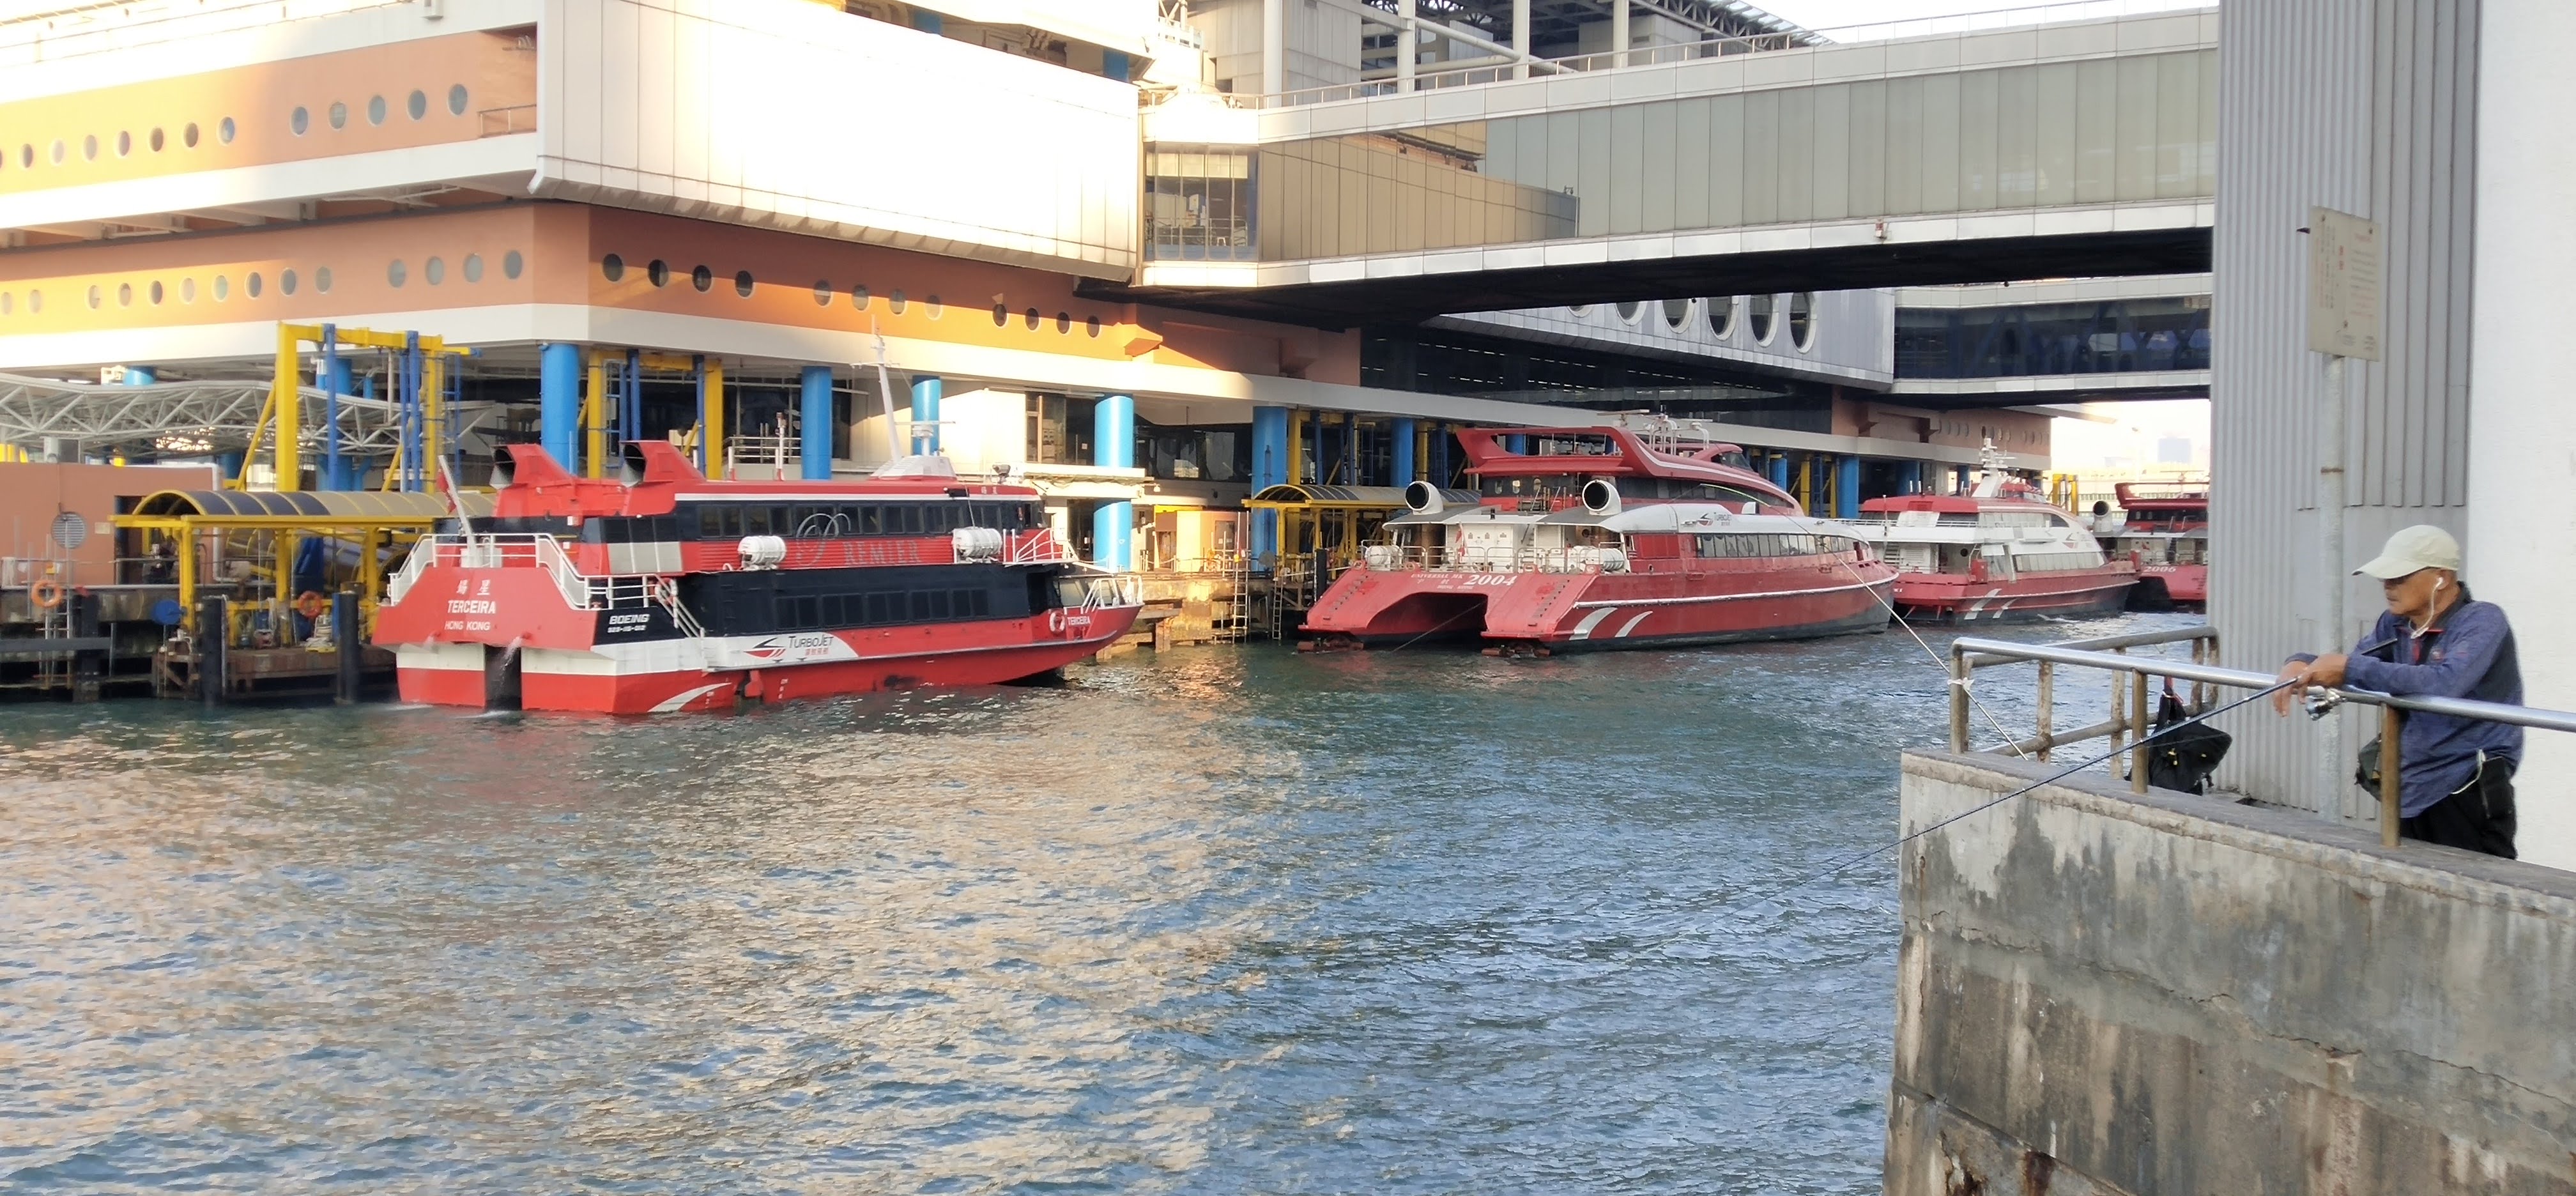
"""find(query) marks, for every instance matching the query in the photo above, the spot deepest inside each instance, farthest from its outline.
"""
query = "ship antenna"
(885, 392)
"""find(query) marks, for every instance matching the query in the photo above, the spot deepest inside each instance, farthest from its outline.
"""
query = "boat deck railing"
(2130, 724)
(1581, 558)
(505, 550)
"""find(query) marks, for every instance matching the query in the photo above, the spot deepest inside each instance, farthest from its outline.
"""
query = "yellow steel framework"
(709, 434)
(283, 416)
(371, 519)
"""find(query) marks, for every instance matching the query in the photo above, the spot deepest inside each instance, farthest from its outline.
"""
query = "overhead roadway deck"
(2078, 149)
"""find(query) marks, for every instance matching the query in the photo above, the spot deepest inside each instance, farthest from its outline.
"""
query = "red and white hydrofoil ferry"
(661, 591)
(1594, 538)
(1998, 552)
(2163, 529)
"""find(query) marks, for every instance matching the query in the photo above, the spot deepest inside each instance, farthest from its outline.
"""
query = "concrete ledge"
(2170, 994)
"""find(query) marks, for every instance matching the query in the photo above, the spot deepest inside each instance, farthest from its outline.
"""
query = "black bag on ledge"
(2183, 759)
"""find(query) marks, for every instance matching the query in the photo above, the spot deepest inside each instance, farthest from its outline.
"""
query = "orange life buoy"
(1055, 620)
(311, 605)
(46, 593)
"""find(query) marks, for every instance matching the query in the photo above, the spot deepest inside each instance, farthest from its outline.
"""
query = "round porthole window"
(1063, 323)
(657, 272)
(95, 297)
(187, 290)
(286, 282)
(932, 307)
(89, 148)
(456, 100)
(395, 274)
(1677, 314)
(339, 115)
(512, 264)
(124, 143)
(702, 278)
(1579, 312)
(1093, 324)
(1031, 317)
(155, 294)
(613, 268)
(223, 288)
(473, 267)
(859, 297)
(894, 303)
(1001, 315)
(1764, 318)
(223, 132)
(251, 285)
(125, 294)
(742, 283)
(58, 153)
(322, 280)
(417, 105)
(156, 141)
(434, 271)
(299, 121)
(375, 110)
(822, 292)
(1722, 313)
(1628, 311)
(1802, 320)
(35, 302)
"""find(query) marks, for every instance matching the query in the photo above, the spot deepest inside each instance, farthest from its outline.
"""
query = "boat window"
(879, 606)
(755, 521)
(710, 522)
(1563, 485)
(920, 606)
(907, 521)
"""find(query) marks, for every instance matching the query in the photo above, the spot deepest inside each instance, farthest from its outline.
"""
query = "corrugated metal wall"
(2368, 106)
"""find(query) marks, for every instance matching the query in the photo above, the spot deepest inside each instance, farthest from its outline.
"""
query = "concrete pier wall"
(2170, 996)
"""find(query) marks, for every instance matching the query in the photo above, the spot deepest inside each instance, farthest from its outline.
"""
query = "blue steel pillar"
(925, 410)
(1517, 444)
(559, 401)
(1913, 481)
(1113, 444)
(1847, 489)
(816, 415)
(1269, 468)
(335, 382)
(1403, 453)
(141, 375)
(1780, 470)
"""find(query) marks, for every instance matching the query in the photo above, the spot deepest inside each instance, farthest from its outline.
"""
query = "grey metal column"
(1274, 47)
(1520, 37)
(214, 626)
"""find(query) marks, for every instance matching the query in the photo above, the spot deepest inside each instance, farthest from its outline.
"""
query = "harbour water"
(1213, 921)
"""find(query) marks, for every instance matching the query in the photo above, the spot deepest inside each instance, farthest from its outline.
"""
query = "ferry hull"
(672, 676)
(1952, 598)
(2167, 587)
(1592, 611)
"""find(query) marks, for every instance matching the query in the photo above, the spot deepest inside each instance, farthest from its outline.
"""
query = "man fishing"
(2455, 774)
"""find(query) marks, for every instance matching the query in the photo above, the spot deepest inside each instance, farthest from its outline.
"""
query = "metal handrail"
(1968, 654)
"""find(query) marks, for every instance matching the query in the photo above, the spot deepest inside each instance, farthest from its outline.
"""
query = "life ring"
(1055, 620)
(46, 593)
(311, 605)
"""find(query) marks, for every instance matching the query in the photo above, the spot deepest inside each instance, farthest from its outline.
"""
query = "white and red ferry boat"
(2163, 529)
(1595, 538)
(663, 591)
(2000, 551)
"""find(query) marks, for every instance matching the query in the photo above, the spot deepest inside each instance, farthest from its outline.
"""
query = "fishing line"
(2061, 774)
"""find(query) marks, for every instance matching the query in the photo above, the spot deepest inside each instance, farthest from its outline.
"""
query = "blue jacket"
(2467, 652)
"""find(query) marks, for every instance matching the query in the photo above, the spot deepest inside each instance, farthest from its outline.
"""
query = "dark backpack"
(2183, 759)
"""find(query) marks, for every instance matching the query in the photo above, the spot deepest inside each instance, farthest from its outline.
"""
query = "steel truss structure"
(208, 416)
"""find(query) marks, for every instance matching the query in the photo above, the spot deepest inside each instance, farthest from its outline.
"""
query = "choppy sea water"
(1217, 921)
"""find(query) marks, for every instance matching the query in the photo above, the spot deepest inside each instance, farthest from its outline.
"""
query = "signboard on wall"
(2343, 284)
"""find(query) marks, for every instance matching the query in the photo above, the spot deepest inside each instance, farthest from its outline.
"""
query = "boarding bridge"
(2085, 148)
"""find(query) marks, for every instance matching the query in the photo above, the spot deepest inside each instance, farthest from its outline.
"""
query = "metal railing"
(2130, 722)
(1580, 558)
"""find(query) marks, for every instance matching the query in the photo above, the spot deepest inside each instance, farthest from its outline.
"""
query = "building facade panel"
(856, 129)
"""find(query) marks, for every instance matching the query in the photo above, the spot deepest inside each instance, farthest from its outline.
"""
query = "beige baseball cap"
(2411, 549)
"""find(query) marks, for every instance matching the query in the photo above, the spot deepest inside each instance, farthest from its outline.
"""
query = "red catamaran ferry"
(2164, 531)
(1594, 538)
(662, 591)
(1998, 552)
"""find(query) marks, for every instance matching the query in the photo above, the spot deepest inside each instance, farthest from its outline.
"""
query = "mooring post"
(89, 666)
(2388, 787)
(214, 635)
(2047, 707)
(344, 633)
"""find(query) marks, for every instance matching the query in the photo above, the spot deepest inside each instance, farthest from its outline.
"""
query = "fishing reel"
(2322, 702)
